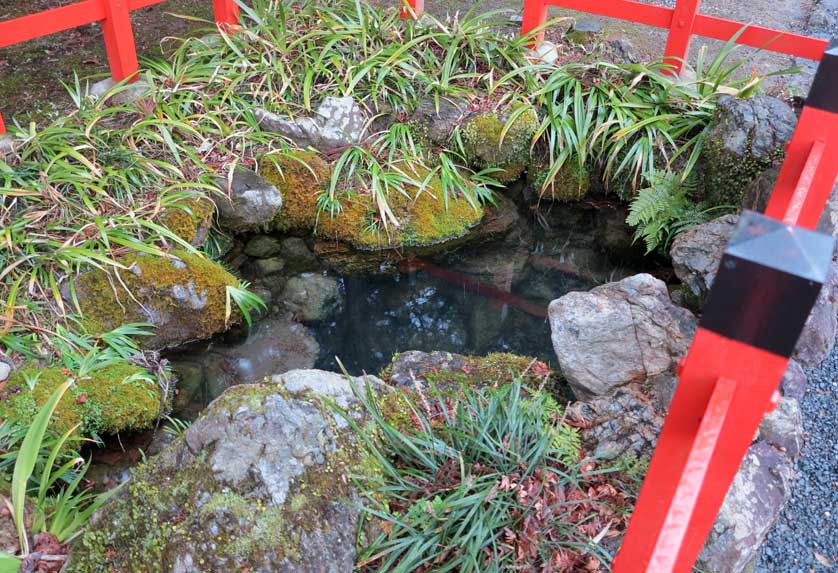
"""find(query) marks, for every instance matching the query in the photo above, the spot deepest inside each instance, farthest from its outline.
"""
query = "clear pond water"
(487, 297)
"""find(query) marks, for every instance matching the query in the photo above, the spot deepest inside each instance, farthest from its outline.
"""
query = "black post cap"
(767, 283)
(824, 92)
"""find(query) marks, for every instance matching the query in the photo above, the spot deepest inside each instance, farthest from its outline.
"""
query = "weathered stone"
(437, 119)
(251, 202)
(183, 295)
(409, 368)
(626, 421)
(259, 482)
(618, 333)
(584, 30)
(338, 121)
(746, 138)
(783, 428)
(696, 253)
(313, 296)
(759, 491)
(5, 370)
(269, 266)
(126, 93)
(545, 52)
(794, 381)
(489, 144)
(263, 246)
(297, 254)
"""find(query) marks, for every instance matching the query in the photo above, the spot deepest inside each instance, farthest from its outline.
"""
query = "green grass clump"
(484, 480)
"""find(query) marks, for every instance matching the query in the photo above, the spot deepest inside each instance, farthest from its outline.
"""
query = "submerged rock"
(747, 136)
(251, 202)
(618, 333)
(489, 144)
(183, 295)
(117, 398)
(260, 482)
(313, 296)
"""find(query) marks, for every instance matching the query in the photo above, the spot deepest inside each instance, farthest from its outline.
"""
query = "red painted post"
(816, 135)
(412, 9)
(767, 282)
(119, 40)
(535, 15)
(680, 34)
(2, 125)
(226, 13)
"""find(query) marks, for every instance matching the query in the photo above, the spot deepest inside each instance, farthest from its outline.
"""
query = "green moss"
(487, 146)
(571, 183)
(190, 219)
(145, 292)
(727, 176)
(113, 399)
(423, 221)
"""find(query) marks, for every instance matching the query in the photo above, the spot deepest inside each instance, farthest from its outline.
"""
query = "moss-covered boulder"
(190, 219)
(113, 399)
(423, 220)
(571, 182)
(490, 140)
(260, 482)
(747, 137)
(183, 295)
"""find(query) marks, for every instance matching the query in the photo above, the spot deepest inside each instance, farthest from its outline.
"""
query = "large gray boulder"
(696, 254)
(747, 136)
(260, 483)
(338, 121)
(618, 333)
(250, 204)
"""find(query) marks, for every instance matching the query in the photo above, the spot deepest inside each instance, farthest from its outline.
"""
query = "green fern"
(664, 209)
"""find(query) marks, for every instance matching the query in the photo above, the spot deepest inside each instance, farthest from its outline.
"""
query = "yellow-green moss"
(113, 399)
(189, 219)
(424, 220)
(487, 146)
(571, 183)
(150, 281)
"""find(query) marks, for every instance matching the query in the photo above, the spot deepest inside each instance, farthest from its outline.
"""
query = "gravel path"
(805, 538)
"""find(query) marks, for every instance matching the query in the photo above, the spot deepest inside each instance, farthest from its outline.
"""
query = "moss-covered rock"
(113, 399)
(489, 143)
(183, 295)
(190, 219)
(746, 138)
(260, 482)
(423, 220)
(571, 183)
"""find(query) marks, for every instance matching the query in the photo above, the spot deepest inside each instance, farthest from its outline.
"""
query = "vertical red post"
(119, 40)
(816, 133)
(535, 15)
(2, 125)
(680, 33)
(412, 8)
(226, 13)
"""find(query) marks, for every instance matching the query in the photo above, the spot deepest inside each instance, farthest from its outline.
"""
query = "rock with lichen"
(190, 219)
(423, 218)
(500, 140)
(570, 183)
(116, 398)
(746, 137)
(183, 295)
(260, 482)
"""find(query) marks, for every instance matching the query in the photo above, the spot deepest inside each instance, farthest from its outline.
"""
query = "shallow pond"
(480, 298)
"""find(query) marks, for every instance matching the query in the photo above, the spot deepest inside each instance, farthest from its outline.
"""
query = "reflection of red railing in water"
(114, 16)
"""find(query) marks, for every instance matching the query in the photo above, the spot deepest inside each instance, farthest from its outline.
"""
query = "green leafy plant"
(471, 487)
(246, 301)
(664, 209)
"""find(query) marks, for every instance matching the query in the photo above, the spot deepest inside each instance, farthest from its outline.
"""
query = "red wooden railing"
(113, 15)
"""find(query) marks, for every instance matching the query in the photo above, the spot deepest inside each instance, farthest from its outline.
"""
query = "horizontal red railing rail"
(114, 16)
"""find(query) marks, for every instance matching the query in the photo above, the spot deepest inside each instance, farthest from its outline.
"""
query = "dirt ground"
(31, 74)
